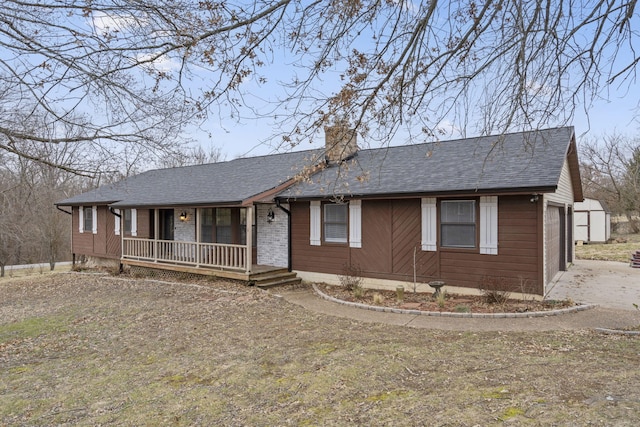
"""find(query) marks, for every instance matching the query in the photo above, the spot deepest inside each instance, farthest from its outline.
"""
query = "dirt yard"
(80, 349)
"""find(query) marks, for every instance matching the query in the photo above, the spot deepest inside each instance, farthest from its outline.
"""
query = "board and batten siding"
(391, 236)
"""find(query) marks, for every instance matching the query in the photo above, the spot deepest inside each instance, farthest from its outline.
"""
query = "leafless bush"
(351, 277)
(493, 289)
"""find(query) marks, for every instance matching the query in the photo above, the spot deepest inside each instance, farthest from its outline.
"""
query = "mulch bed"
(451, 303)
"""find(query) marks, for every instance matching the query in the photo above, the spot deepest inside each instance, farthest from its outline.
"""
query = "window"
(243, 227)
(335, 223)
(206, 225)
(223, 225)
(127, 220)
(88, 219)
(458, 223)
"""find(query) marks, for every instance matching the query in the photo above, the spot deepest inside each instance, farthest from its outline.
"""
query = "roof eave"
(414, 194)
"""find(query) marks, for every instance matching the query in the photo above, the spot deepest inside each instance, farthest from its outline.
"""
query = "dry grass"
(34, 270)
(610, 251)
(89, 350)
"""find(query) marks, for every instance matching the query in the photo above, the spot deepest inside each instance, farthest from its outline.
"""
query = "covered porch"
(189, 240)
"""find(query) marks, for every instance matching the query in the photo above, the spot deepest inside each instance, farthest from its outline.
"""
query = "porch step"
(276, 278)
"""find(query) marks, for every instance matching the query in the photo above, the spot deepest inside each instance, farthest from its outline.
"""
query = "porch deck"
(258, 272)
(207, 259)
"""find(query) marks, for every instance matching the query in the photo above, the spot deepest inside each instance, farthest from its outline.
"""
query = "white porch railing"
(189, 253)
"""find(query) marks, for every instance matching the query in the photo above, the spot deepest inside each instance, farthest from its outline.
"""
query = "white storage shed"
(592, 221)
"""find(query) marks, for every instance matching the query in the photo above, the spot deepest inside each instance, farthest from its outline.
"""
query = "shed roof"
(524, 161)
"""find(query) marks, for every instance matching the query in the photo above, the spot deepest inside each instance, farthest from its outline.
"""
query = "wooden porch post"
(156, 233)
(249, 233)
(198, 236)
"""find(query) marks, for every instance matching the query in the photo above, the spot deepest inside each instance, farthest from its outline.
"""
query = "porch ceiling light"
(183, 216)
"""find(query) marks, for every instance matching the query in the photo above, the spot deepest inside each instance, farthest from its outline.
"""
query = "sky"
(252, 137)
(619, 114)
(617, 111)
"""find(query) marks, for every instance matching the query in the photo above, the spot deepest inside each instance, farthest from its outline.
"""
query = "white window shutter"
(116, 228)
(355, 223)
(134, 222)
(94, 211)
(489, 225)
(81, 219)
(429, 224)
(315, 219)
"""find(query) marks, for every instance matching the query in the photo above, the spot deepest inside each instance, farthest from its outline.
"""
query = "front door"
(166, 224)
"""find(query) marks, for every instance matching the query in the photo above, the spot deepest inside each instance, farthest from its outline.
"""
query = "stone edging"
(557, 312)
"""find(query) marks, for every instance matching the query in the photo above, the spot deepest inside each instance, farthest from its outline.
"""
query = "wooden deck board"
(257, 270)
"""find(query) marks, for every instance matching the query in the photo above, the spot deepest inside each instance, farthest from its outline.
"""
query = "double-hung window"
(127, 221)
(88, 219)
(223, 225)
(458, 223)
(336, 226)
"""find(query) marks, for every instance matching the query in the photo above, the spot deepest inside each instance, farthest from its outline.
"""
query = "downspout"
(121, 266)
(114, 212)
(62, 210)
(289, 252)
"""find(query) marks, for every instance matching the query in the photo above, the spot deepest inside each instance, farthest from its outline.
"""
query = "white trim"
(134, 222)
(489, 225)
(355, 223)
(81, 219)
(429, 224)
(315, 223)
(116, 228)
(94, 218)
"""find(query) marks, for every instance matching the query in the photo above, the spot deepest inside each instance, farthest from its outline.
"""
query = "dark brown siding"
(391, 234)
(144, 223)
(516, 264)
(407, 230)
(375, 255)
(104, 244)
(322, 259)
(107, 227)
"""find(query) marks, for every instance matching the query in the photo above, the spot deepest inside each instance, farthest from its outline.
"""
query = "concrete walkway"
(613, 286)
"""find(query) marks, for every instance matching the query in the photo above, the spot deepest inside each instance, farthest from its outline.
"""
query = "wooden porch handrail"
(219, 255)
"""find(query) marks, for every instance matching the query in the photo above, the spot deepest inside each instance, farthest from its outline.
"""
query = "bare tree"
(31, 230)
(136, 72)
(610, 170)
(192, 156)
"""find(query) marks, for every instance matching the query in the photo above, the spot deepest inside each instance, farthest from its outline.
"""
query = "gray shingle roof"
(224, 182)
(529, 160)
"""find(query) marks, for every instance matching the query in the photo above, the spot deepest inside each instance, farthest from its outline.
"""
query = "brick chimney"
(340, 143)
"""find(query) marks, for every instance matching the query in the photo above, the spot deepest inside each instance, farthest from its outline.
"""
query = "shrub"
(351, 277)
(493, 290)
(378, 299)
